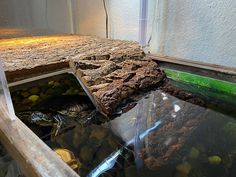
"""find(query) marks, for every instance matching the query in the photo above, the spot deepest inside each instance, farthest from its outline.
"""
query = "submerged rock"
(91, 144)
(194, 153)
(68, 157)
(184, 168)
(214, 160)
(33, 98)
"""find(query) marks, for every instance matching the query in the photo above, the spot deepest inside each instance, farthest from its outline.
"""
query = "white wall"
(15, 13)
(202, 30)
(90, 18)
(123, 18)
(53, 15)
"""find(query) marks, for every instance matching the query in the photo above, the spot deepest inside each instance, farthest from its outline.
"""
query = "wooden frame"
(195, 67)
(33, 156)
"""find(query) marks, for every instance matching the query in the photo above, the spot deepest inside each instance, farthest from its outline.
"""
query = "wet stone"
(91, 144)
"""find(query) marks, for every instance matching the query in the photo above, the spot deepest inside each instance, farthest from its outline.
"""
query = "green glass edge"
(218, 85)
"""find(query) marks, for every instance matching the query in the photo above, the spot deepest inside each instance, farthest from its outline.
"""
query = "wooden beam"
(180, 61)
(195, 67)
(33, 156)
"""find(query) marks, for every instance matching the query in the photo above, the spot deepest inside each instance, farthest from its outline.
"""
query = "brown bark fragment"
(110, 82)
(21, 55)
(111, 70)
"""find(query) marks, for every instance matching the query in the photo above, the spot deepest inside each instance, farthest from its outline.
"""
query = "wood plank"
(200, 65)
(200, 68)
(33, 156)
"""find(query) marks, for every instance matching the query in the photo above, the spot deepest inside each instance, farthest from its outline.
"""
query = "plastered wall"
(201, 30)
(14, 13)
(52, 15)
(123, 18)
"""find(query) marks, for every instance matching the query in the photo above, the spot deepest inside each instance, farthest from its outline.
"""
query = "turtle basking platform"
(111, 80)
(110, 70)
(32, 56)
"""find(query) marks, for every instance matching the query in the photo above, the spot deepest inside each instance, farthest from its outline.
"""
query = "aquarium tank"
(185, 126)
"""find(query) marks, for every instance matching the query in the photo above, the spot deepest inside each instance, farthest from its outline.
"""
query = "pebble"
(33, 98)
(194, 153)
(214, 160)
(184, 168)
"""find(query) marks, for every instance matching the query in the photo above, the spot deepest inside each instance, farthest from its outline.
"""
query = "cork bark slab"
(110, 70)
(110, 80)
(32, 56)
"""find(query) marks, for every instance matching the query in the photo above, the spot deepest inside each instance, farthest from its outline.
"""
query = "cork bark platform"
(110, 70)
(109, 81)
(32, 56)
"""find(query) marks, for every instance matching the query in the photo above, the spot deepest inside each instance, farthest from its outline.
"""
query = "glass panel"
(5, 97)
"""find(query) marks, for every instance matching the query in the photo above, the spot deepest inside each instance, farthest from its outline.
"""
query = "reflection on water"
(175, 139)
(221, 102)
(158, 135)
(192, 140)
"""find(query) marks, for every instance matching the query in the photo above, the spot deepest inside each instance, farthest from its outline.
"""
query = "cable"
(105, 8)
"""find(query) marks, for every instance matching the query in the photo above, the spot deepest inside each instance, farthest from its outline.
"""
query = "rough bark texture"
(111, 70)
(32, 56)
(28, 53)
(110, 81)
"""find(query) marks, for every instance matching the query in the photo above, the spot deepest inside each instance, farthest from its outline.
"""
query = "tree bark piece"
(31, 56)
(111, 70)
(109, 81)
